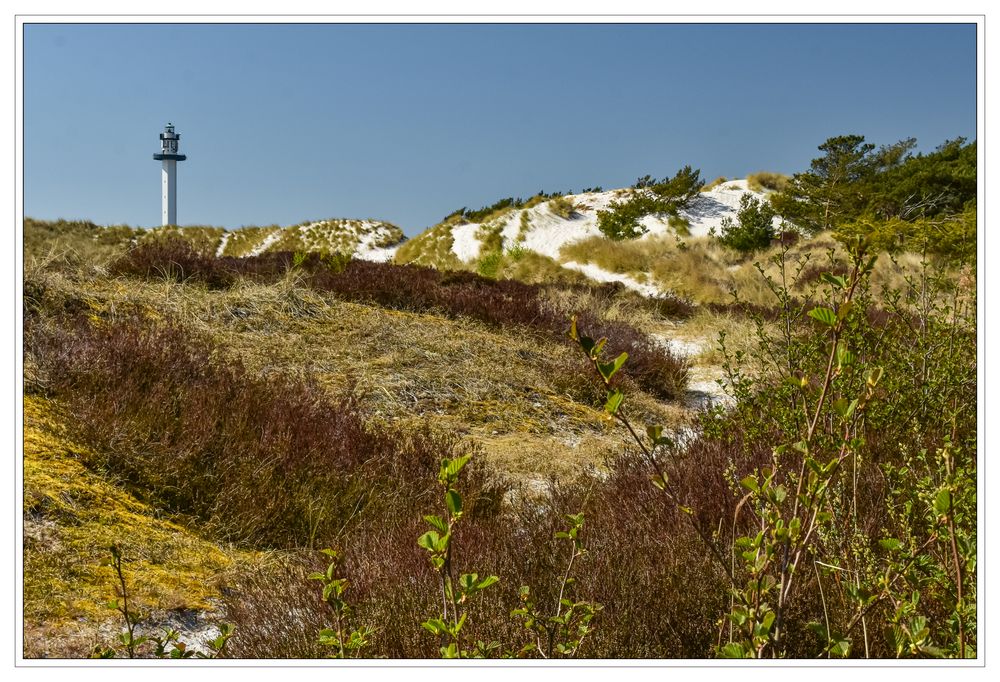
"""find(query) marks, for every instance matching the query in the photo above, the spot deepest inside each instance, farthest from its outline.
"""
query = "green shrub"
(489, 264)
(753, 229)
(621, 220)
(649, 196)
(835, 502)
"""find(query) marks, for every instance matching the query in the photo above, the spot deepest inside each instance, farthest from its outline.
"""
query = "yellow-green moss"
(72, 516)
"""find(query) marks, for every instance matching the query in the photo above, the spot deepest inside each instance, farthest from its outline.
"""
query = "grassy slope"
(71, 517)
(88, 242)
(494, 386)
(706, 272)
(431, 247)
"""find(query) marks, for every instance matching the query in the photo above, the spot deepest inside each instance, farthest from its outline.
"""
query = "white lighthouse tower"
(169, 141)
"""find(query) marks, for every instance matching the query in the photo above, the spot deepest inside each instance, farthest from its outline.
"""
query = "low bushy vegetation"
(498, 208)
(264, 463)
(649, 196)
(208, 441)
(680, 225)
(432, 247)
(410, 287)
(753, 229)
(72, 514)
(816, 468)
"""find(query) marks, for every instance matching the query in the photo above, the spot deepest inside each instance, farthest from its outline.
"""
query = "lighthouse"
(169, 141)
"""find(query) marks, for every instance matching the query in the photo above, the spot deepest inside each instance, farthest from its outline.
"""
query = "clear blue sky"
(285, 123)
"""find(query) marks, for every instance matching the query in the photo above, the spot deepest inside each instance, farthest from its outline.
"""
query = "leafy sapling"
(344, 640)
(653, 446)
(792, 504)
(128, 638)
(561, 634)
(455, 591)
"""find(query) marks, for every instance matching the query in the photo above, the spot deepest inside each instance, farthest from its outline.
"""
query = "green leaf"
(942, 501)
(609, 369)
(614, 401)
(841, 647)
(767, 621)
(824, 315)
(850, 408)
(733, 650)
(845, 358)
(840, 406)
(837, 281)
(843, 408)
(873, 375)
(437, 522)
(467, 581)
(487, 581)
(429, 540)
(750, 483)
(454, 502)
(891, 544)
(456, 465)
(434, 625)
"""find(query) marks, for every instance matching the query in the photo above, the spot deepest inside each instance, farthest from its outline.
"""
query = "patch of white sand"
(465, 244)
(372, 234)
(599, 275)
(270, 239)
(222, 244)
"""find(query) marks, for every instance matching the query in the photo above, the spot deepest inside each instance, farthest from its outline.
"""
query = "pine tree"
(832, 190)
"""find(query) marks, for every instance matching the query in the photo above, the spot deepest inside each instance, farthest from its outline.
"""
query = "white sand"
(598, 275)
(270, 239)
(465, 244)
(222, 244)
(371, 233)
